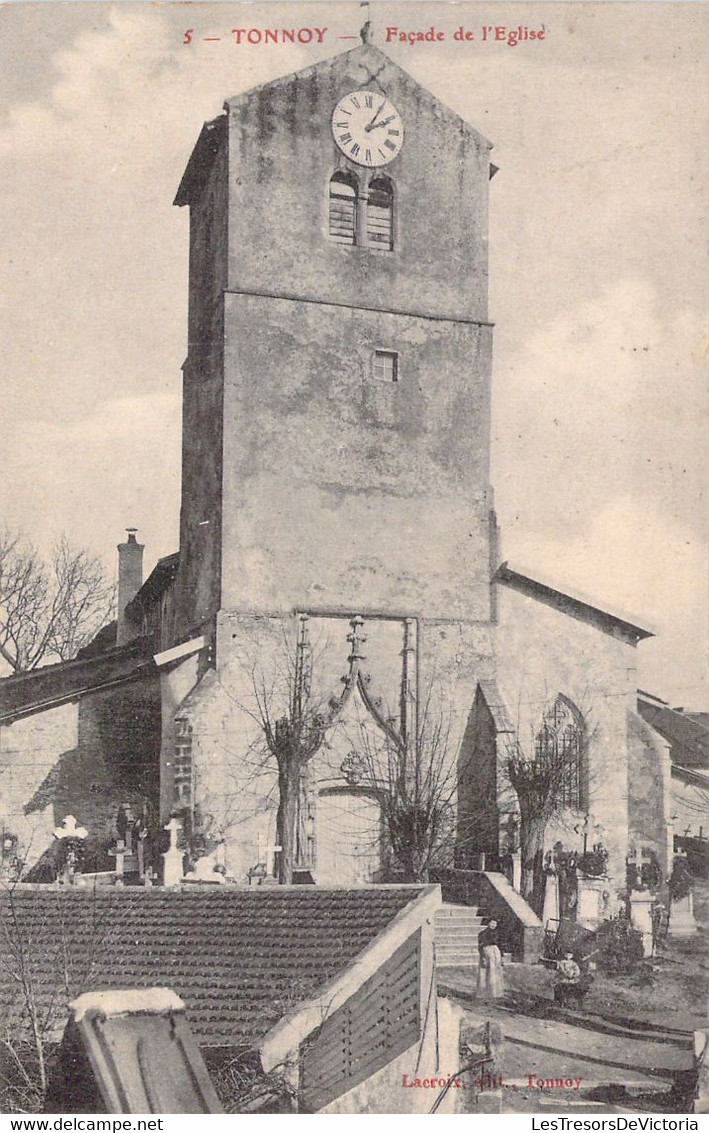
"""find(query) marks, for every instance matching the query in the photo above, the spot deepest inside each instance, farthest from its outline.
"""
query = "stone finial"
(365, 31)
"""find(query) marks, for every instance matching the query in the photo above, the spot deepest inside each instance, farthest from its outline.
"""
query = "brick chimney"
(130, 579)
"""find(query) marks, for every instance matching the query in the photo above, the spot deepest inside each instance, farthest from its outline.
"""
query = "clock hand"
(370, 125)
(386, 122)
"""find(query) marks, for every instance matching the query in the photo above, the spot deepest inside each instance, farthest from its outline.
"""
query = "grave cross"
(70, 836)
(69, 829)
(173, 857)
(266, 854)
(119, 853)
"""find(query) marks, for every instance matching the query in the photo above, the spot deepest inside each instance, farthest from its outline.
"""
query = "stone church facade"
(336, 492)
(336, 464)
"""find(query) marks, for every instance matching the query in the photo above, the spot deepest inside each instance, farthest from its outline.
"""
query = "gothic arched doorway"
(348, 837)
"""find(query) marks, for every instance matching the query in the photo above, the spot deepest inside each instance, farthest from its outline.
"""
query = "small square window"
(385, 366)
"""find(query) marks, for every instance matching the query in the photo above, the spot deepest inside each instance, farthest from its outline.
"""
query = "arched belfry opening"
(342, 214)
(380, 214)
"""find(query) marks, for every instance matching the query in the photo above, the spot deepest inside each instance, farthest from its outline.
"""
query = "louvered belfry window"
(343, 208)
(380, 214)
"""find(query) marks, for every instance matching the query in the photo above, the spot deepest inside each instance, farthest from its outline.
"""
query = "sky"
(597, 275)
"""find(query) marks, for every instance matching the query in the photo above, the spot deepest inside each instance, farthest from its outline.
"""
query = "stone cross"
(119, 853)
(69, 829)
(266, 854)
(173, 857)
(68, 835)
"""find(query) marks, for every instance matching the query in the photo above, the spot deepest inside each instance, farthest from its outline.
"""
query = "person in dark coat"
(490, 961)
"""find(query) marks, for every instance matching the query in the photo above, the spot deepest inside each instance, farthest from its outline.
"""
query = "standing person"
(568, 982)
(490, 961)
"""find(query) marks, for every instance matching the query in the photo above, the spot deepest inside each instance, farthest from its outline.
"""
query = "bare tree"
(409, 765)
(291, 738)
(49, 610)
(414, 774)
(41, 969)
(546, 777)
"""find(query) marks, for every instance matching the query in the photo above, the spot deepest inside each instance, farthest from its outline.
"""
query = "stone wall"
(542, 652)
(85, 759)
(282, 156)
(30, 752)
(345, 493)
(649, 793)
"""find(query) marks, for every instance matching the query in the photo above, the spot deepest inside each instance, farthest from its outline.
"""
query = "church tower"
(336, 429)
(337, 382)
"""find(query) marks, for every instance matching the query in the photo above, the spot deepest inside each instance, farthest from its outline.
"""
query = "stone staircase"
(457, 928)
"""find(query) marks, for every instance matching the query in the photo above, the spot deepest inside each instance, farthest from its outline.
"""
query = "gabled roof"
(206, 147)
(155, 584)
(52, 685)
(363, 66)
(240, 959)
(574, 606)
(691, 776)
(688, 740)
(497, 708)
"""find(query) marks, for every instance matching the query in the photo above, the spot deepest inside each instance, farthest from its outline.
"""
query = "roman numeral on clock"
(355, 150)
(369, 101)
(345, 139)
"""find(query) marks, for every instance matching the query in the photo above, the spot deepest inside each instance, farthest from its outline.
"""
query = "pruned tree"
(49, 610)
(414, 774)
(292, 738)
(546, 777)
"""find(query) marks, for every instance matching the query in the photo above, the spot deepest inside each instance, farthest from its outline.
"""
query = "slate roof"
(240, 959)
(573, 606)
(155, 584)
(51, 685)
(688, 739)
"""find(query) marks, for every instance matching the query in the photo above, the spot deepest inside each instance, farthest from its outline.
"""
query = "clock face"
(367, 128)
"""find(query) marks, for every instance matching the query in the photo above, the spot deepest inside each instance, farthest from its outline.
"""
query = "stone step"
(454, 931)
(453, 912)
(443, 927)
(456, 955)
(457, 930)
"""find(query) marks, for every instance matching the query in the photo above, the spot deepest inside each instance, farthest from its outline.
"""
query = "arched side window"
(380, 214)
(560, 747)
(343, 208)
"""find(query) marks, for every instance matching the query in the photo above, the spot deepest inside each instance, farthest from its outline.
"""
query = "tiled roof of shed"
(688, 739)
(240, 959)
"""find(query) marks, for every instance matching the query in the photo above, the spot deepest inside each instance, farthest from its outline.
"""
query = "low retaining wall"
(520, 928)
